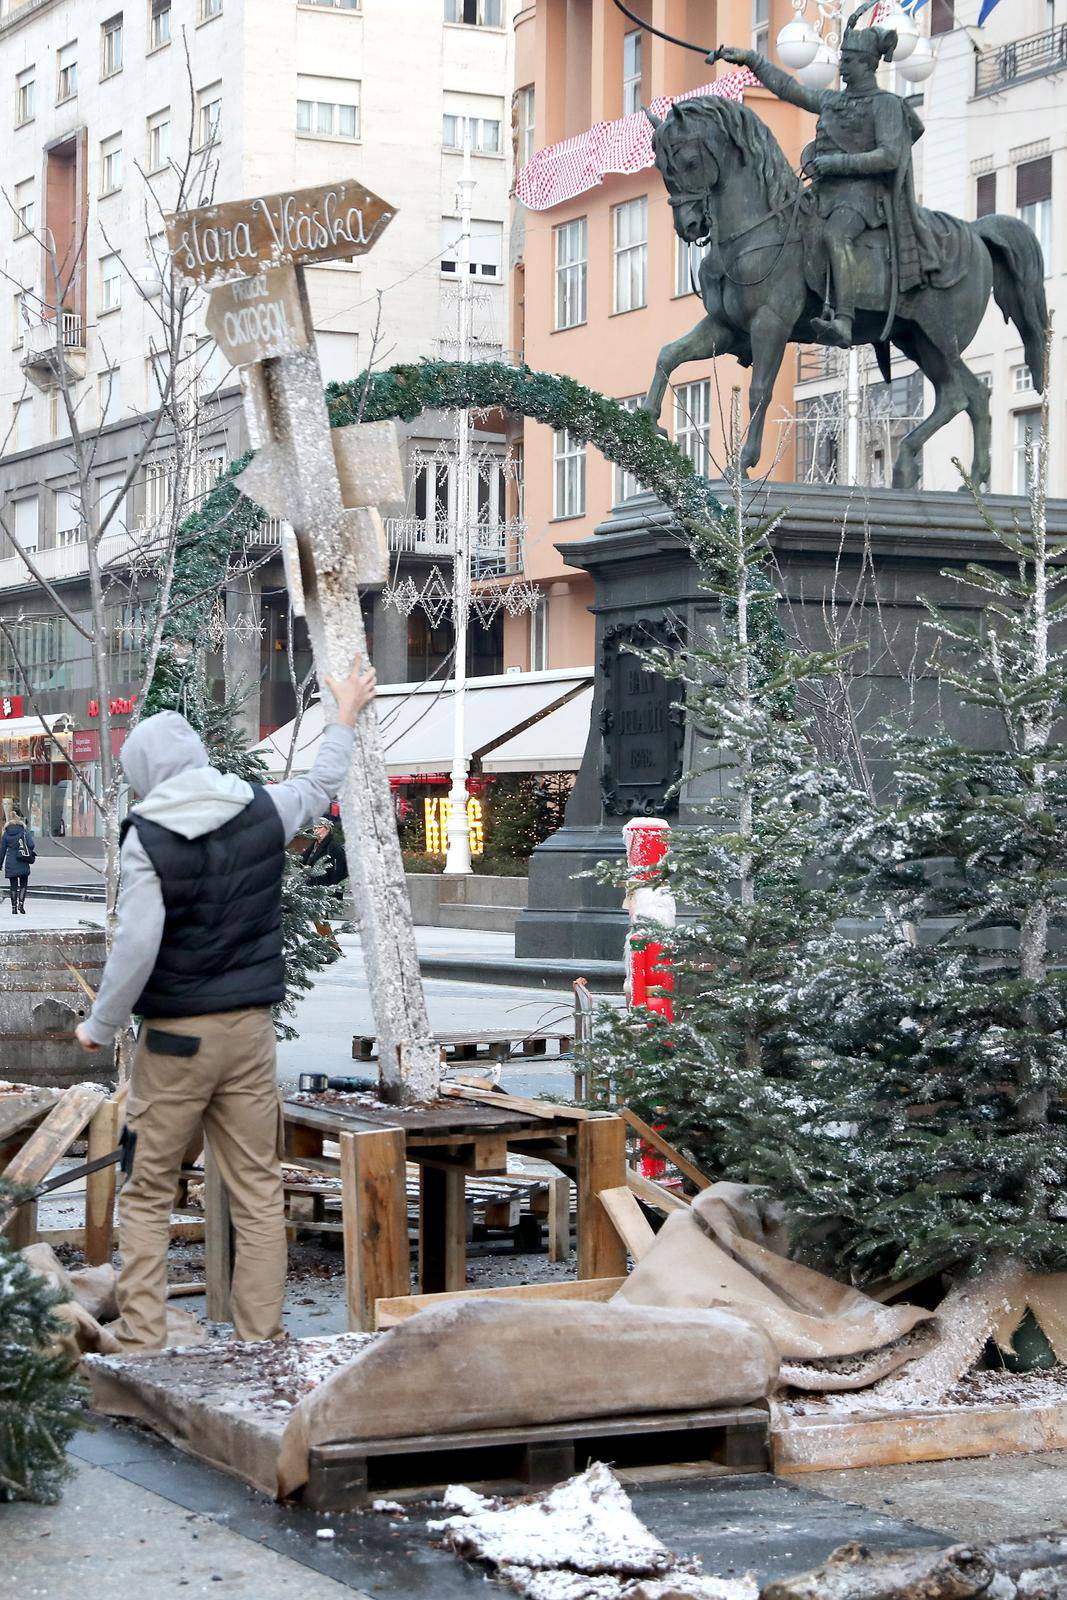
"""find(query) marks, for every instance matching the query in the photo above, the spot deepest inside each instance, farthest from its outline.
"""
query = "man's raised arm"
(771, 77)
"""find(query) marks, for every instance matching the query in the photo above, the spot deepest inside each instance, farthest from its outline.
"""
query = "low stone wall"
(481, 901)
(43, 1003)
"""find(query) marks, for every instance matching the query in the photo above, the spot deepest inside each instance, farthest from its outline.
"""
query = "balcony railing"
(496, 548)
(65, 330)
(69, 560)
(1012, 63)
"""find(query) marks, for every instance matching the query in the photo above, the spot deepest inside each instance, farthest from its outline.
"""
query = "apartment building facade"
(601, 282)
(101, 105)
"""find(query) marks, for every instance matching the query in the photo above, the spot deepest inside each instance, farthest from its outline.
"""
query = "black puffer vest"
(222, 939)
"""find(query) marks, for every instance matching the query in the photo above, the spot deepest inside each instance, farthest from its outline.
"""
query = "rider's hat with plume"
(879, 44)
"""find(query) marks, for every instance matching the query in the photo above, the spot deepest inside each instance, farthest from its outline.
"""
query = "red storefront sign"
(85, 744)
(120, 706)
(10, 705)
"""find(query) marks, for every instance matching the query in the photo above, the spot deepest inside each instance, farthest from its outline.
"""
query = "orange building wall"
(571, 51)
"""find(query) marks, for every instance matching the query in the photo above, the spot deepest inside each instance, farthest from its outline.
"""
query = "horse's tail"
(1019, 284)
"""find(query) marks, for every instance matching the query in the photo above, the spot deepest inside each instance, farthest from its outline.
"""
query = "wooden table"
(467, 1131)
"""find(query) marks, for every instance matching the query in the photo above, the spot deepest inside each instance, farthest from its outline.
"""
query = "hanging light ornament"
(921, 63)
(403, 596)
(797, 44)
(821, 70)
(904, 25)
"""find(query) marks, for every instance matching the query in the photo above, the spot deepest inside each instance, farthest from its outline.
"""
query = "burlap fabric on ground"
(716, 1255)
(505, 1364)
(89, 1304)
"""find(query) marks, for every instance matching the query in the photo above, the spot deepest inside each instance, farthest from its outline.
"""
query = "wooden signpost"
(252, 253)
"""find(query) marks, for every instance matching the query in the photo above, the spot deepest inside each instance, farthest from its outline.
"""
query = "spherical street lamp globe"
(797, 44)
(921, 63)
(821, 70)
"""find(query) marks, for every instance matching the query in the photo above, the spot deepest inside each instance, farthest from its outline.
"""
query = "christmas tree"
(36, 1389)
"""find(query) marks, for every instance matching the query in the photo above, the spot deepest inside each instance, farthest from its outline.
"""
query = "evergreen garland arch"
(629, 439)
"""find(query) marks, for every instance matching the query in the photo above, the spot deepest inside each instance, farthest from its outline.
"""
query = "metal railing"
(68, 560)
(496, 548)
(1012, 63)
(64, 331)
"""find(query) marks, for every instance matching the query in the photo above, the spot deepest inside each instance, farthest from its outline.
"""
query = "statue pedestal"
(852, 563)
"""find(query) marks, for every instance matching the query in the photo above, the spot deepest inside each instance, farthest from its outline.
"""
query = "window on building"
(111, 164)
(692, 422)
(26, 522)
(110, 283)
(159, 140)
(479, 13)
(327, 108)
(484, 134)
(525, 121)
(761, 26)
(687, 259)
(572, 269)
(25, 207)
(22, 424)
(338, 355)
(111, 500)
(25, 96)
(208, 114)
(568, 453)
(1021, 381)
(70, 524)
(539, 635)
(109, 394)
(159, 254)
(631, 72)
(985, 194)
(127, 629)
(1027, 445)
(45, 646)
(208, 9)
(1033, 201)
(332, 5)
(111, 46)
(19, 318)
(630, 223)
(158, 490)
(623, 483)
(158, 24)
(486, 248)
(67, 71)
(942, 16)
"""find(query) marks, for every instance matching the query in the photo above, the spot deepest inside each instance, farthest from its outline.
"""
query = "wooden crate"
(811, 1443)
(344, 1476)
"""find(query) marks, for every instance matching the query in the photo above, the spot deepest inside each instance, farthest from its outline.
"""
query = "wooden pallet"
(343, 1476)
(480, 1044)
(814, 1443)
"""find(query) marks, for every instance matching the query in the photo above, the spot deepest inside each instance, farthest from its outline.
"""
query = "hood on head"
(159, 748)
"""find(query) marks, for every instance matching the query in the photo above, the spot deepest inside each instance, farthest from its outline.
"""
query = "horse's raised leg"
(770, 335)
(978, 411)
(950, 398)
(709, 338)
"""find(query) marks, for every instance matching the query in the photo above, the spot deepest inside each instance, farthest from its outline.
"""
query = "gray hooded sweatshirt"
(165, 762)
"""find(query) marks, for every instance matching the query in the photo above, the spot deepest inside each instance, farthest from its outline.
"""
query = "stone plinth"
(852, 566)
(43, 1002)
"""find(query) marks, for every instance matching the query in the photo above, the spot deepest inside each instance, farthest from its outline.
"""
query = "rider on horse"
(860, 165)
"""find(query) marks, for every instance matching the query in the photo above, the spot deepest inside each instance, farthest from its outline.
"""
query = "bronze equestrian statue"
(851, 260)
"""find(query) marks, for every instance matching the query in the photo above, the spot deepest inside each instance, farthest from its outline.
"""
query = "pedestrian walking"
(197, 955)
(18, 852)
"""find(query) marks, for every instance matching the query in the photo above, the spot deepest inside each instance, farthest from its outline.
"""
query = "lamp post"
(458, 855)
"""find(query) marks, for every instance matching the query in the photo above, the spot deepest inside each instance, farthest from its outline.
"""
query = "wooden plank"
(50, 1142)
(601, 1165)
(397, 1308)
(515, 1102)
(442, 1229)
(629, 1221)
(100, 1186)
(654, 1194)
(218, 1240)
(19, 1111)
(817, 1444)
(503, 1214)
(491, 1153)
(191, 1229)
(658, 1142)
(374, 1212)
(559, 1218)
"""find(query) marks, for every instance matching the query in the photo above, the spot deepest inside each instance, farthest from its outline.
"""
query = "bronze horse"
(731, 187)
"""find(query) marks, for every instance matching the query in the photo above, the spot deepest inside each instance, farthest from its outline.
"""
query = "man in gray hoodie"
(197, 953)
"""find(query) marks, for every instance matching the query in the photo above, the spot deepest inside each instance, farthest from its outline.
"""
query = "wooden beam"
(601, 1165)
(388, 1312)
(822, 1444)
(442, 1229)
(654, 1194)
(374, 1212)
(50, 1142)
(518, 1102)
(658, 1142)
(629, 1221)
(559, 1218)
(100, 1186)
(18, 1111)
(218, 1240)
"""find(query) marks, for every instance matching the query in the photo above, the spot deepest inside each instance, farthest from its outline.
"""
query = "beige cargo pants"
(228, 1087)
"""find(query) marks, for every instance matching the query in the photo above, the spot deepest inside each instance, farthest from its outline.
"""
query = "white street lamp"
(821, 70)
(797, 44)
(921, 63)
(904, 25)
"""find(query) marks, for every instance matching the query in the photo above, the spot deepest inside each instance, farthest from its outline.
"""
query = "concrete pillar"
(241, 655)
(390, 648)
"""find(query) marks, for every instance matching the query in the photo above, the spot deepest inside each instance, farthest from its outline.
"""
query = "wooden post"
(442, 1229)
(100, 1186)
(559, 1218)
(218, 1241)
(375, 1220)
(601, 1165)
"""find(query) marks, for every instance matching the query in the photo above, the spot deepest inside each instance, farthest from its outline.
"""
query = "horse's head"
(701, 146)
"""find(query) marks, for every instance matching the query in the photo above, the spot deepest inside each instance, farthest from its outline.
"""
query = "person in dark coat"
(17, 854)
